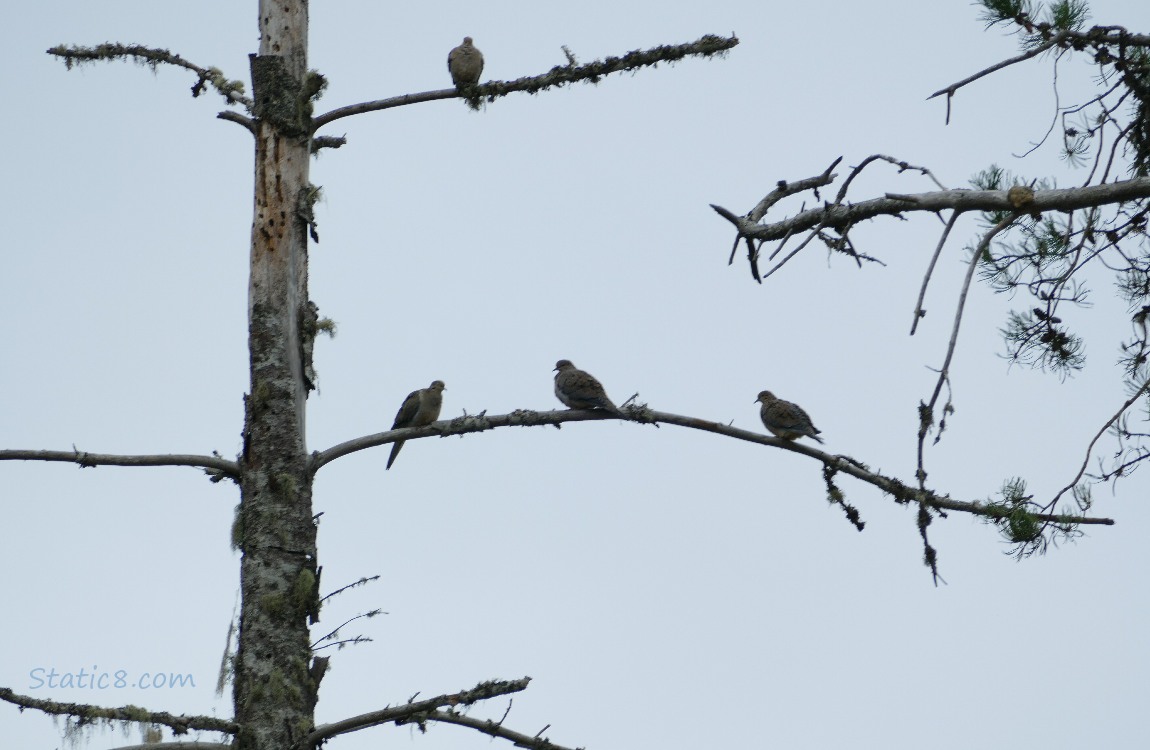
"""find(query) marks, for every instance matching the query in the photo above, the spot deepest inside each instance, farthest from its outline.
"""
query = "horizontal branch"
(465, 424)
(179, 746)
(215, 466)
(495, 729)
(416, 711)
(231, 91)
(902, 493)
(558, 76)
(395, 101)
(86, 713)
(844, 215)
(246, 122)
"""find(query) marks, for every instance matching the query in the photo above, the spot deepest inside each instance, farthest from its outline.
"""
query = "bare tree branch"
(86, 713)
(495, 729)
(247, 122)
(902, 167)
(395, 101)
(843, 216)
(231, 91)
(216, 467)
(926, 411)
(919, 312)
(901, 492)
(415, 711)
(783, 188)
(179, 746)
(1098, 36)
(952, 88)
(557, 76)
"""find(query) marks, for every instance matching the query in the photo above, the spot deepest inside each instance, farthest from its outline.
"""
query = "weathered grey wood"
(278, 576)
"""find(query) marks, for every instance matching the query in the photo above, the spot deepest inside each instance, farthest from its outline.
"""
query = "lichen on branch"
(73, 55)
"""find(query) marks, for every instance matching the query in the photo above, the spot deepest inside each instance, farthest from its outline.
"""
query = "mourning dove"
(580, 390)
(419, 409)
(784, 419)
(465, 63)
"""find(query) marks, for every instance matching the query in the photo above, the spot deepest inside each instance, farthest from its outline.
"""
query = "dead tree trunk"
(276, 533)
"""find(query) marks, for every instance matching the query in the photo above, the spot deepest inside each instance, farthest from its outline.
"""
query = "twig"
(954, 87)
(335, 633)
(496, 730)
(1090, 448)
(361, 582)
(902, 167)
(918, 311)
(810, 236)
(926, 411)
(1053, 120)
(944, 371)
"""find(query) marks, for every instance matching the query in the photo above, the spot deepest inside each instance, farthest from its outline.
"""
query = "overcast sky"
(664, 587)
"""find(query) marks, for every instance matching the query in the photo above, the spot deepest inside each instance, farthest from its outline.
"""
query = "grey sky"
(663, 587)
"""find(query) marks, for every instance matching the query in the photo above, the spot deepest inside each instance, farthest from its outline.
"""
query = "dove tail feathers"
(395, 452)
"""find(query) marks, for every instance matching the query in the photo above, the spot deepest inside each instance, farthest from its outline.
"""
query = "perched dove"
(465, 63)
(784, 419)
(419, 409)
(580, 390)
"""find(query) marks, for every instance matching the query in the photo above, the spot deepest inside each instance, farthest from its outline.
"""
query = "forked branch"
(416, 711)
(843, 216)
